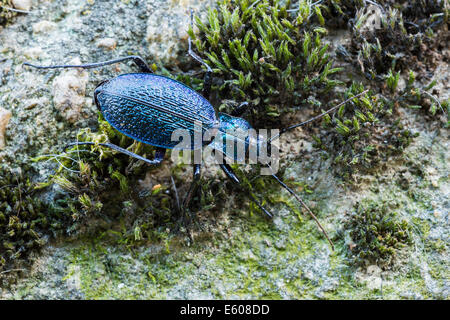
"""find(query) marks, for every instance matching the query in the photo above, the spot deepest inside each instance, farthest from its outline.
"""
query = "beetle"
(149, 108)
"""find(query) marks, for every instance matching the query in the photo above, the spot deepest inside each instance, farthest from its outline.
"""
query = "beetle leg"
(159, 154)
(240, 110)
(176, 193)
(207, 80)
(194, 185)
(140, 62)
(232, 176)
(229, 173)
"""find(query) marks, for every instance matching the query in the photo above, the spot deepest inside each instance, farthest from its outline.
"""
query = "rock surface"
(69, 89)
(5, 115)
(244, 256)
(22, 4)
(167, 27)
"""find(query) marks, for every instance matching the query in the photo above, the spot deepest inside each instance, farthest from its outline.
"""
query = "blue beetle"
(149, 108)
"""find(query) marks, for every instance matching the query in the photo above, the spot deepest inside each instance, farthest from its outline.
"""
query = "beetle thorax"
(237, 140)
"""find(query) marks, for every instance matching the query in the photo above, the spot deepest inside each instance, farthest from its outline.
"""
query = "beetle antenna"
(116, 148)
(317, 117)
(139, 61)
(305, 206)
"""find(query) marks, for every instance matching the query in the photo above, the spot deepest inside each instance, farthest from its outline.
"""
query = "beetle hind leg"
(187, 216)
(193, 188)
(159, 154)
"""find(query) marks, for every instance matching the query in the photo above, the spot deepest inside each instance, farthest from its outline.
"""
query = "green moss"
(337, 13)
(406, 33)
(5, 14)
(102, 184)
(248, 264)
(264, 54)
(23, 221)
(422, 99)
(363, 133)
(377, 233)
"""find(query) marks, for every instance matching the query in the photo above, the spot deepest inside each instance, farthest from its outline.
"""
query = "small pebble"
(69, 90)
(5, 115)
(33, 53)
(22, 4)
(43, 26)
(107, 43)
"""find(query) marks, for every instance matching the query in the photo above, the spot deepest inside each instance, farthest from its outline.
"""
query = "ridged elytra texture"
(149, 108)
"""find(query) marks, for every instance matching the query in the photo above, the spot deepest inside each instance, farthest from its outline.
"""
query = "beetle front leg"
(226, 168)
(240, 110)
(194, 185)
(207, 80)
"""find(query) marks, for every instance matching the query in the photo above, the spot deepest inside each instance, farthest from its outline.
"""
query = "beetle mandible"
(149, 108)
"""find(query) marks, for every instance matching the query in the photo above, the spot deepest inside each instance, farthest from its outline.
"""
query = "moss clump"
(103, 185)
(23, 220)
(265, 54)
(403, 35)
(6, 14)
(377, 233)
(417, 13)
(414, 97)
(363, 133)
(337, 13)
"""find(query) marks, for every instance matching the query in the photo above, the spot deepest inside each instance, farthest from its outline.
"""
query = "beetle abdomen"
(149, 108)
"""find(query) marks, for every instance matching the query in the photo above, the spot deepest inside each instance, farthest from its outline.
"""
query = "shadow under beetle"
(149, 108)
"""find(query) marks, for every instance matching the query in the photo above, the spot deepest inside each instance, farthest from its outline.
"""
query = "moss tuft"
(397, 35)
(23, 220)
(377, 233)
(104, 185)
(265, 54)
(5, 14)
(363, 133)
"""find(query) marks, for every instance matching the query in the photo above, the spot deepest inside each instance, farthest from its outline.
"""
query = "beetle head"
(237, 140)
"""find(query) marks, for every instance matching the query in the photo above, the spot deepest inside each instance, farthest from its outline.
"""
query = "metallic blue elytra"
(149, 108)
